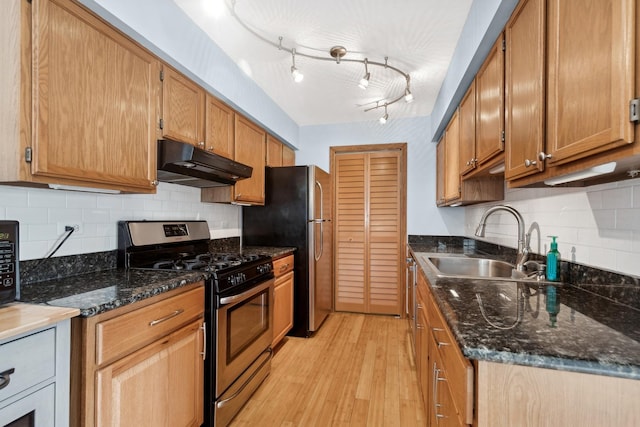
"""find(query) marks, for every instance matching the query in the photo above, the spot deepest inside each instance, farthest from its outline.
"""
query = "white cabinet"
(34, 377)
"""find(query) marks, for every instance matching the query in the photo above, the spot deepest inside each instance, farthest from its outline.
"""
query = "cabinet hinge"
(502, 137)
(161, 75)
(28, 154)
(504, 45)
(634, 107)
(161, 124)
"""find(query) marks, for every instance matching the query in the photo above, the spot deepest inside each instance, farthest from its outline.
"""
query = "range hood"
(185, 164)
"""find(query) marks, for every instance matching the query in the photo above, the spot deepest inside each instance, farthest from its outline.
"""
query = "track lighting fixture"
(336, 53)
(295, 73)
(385, 117)
(364, 81)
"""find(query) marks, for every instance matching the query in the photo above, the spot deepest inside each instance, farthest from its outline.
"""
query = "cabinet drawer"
(32, 358)
(283, 265)
(458, 369)
(123, 334)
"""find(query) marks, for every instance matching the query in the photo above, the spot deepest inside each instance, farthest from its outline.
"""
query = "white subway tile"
(13, 196)
(28, 215)
(109, 201)
(46, 199)
(628, 219)
(617, 198)
(67, 216)
(37, 232)
(77, 199)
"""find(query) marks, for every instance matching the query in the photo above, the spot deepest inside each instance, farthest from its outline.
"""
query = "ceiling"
(417, 36)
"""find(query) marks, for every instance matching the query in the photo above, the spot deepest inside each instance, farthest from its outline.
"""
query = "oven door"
(244, 331)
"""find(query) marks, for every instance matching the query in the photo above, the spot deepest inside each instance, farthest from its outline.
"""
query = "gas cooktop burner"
(210, 262)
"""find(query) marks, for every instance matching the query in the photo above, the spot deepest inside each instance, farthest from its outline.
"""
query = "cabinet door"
(288, 156)
(94, 100)
(219, 134)
(452, 159)
(274, 152)
(250, 149)
(590, 76)
(159, 385)
(467, 144)
(282, 307)
(182, 108)
(440, 155)
(524, 89)
(490, 105)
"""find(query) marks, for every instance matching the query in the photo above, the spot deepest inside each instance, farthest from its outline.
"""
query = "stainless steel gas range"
(238, 306)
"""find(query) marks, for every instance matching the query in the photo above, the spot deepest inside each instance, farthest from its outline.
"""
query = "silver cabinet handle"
(542, 156)
(284, 267)
(528, 163)
(5, 377)
(204, 340)
(167, 317)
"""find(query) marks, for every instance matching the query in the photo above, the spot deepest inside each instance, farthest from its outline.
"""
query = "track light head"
(364, 81)
(408, 96)
(385, 117)
(296, 74)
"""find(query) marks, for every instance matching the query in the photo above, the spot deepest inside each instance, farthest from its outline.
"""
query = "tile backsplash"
(597, 226)
(43, 213)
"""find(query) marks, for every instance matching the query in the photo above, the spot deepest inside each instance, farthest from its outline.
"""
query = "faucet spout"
(523, 244)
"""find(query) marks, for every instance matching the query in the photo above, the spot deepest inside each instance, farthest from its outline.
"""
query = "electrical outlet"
(64, 227)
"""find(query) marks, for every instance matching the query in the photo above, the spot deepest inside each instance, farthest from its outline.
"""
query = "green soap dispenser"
(553, 261)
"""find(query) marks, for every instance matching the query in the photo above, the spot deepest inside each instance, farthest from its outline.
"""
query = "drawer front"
(283, 265)
(458, 369)
(32, 359)
(123, 334)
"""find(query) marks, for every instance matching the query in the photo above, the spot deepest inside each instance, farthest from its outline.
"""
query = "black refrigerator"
(297, 213)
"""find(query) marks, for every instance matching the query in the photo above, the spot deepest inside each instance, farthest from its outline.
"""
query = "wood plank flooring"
(357, 370)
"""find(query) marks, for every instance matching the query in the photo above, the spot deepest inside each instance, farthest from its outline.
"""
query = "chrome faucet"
(523, 243)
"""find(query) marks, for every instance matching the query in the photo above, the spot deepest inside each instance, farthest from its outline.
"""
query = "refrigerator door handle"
(321, 221)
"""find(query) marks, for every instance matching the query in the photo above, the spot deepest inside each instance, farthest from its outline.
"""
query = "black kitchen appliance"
(297, 212)
(9, 261)
(186, 164)
(238, 305)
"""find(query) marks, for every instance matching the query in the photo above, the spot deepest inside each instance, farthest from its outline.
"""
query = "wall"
(43, 214)
(597, 226)
(422, 215)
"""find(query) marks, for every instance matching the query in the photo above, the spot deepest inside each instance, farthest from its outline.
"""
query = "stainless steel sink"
(464, 267)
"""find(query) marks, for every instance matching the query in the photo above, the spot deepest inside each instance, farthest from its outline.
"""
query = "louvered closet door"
(368, 232)
(349, 223)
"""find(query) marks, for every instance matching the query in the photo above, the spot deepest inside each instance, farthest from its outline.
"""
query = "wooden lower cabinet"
(155, 386)
(283, 301)
(445, 376)
(141, 364)
(513, 395)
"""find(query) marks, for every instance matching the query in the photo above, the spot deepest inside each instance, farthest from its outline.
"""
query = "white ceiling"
(418, 36)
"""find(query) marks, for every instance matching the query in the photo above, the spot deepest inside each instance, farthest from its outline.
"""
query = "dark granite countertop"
(519, 323)
(273, 251)
(101, 291)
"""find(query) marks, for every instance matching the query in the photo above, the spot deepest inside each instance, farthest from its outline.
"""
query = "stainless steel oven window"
(246, 322)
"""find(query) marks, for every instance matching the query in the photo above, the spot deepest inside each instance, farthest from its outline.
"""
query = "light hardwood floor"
(357, 370)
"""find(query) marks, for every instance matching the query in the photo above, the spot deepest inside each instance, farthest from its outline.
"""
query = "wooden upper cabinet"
(591, 74)
(219, 134)
(182, 108)
(525, 89)
(490, 106)
(440, 155)
(452, 159)
(467, 111)
(274, 152)
(250, 149)
(91, 109)
(288, 156)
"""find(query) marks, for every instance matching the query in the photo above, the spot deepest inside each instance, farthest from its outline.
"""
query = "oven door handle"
(224, 402)
(246, 294)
